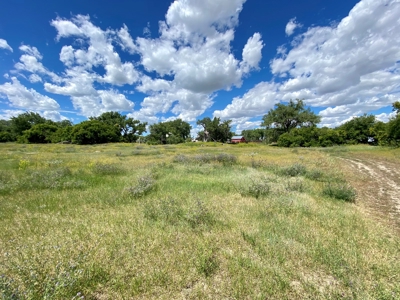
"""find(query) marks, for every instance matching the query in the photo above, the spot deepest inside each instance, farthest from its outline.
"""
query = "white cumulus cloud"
(291, 26)
(351, 67)
(5, 45)
(21, 97)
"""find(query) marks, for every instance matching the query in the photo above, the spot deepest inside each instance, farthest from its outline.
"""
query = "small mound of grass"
(258, 189)
(107, 169)
(293, 170)
(339, 191)
(143, 186)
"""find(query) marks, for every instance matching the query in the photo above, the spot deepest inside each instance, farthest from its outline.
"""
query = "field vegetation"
(190, 221)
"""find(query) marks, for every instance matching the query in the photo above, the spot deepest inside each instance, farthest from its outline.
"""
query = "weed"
(224, 158)
(249, 238)
(340, 191)
(296, 185)
(207, 263)
(106, 169)
(199, 215)
(181, 159)
(167, 210)
(23, 164)
(293, 170)
(316, 175)
(143, 186)
(258, 188)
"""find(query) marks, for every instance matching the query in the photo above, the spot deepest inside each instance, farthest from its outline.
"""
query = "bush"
(293, 170)
(340, 191)
(143, 186)
(316, 175)
(94, 132)
(258, 189)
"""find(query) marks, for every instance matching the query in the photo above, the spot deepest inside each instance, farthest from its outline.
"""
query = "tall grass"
(195, 222)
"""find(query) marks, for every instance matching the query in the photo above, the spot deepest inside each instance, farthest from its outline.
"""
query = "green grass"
(200, 221)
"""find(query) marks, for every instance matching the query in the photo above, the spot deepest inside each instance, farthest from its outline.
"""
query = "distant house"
(238, 139)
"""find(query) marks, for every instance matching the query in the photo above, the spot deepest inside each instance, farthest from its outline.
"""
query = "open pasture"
(193, 221)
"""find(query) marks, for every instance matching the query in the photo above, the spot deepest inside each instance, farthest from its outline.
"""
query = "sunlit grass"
(193, 221)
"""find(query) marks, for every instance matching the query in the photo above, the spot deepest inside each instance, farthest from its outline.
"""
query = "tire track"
(378, 187)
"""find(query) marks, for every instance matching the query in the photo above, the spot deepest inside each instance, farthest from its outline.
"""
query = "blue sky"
(235, 59)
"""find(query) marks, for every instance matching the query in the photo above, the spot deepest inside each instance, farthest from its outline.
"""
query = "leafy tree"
(310, 137)
(40, 133)
(170, 132)
(94, 132)
(25, 121)
(380, 133)
(215, 130)
(6, 132)
(254, 135)
(128, 128)
(284, 117)
(359, 129)
(396, 107)
(329, 137)
(64, 123)
(393, 131)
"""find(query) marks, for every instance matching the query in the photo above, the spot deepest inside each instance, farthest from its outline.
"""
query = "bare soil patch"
(377, 182)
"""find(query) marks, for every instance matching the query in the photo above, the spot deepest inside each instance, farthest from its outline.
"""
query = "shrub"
(199, 215)
(226, 159)
(340, 191)
(258, 189)
(316, 175)
(143, 186)
(293, 170)
(296, 185)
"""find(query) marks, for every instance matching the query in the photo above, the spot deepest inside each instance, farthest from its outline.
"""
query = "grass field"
(123, 221)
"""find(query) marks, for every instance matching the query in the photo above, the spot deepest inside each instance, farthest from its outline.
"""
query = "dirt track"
(378, 187)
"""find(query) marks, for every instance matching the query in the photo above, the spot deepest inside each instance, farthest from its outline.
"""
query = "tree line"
(109, 127)
(286, 125)
(294, 125)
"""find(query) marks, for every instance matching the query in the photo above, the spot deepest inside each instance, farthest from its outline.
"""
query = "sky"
(159, 60)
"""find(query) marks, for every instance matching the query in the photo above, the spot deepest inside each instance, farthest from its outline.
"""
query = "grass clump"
(144, 185)
(293, 170)
(258, 188)
(106, 169)
(168, 210)
(173, 212)
(340, 191)
(296, 185)
(315, 175)
(198, 215)
(207, 263)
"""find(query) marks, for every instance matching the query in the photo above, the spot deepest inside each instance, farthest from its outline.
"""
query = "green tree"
(359, 129)
(25, 121)
(6, 132)
(285, 117)
(254, 135)
(170, 132)
(40, 133)
(128, 128)
(396, 107)
(290, 116)
(94, 132)
(215, 130)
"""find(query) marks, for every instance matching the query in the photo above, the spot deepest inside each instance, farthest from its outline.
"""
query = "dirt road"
(377, 182)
